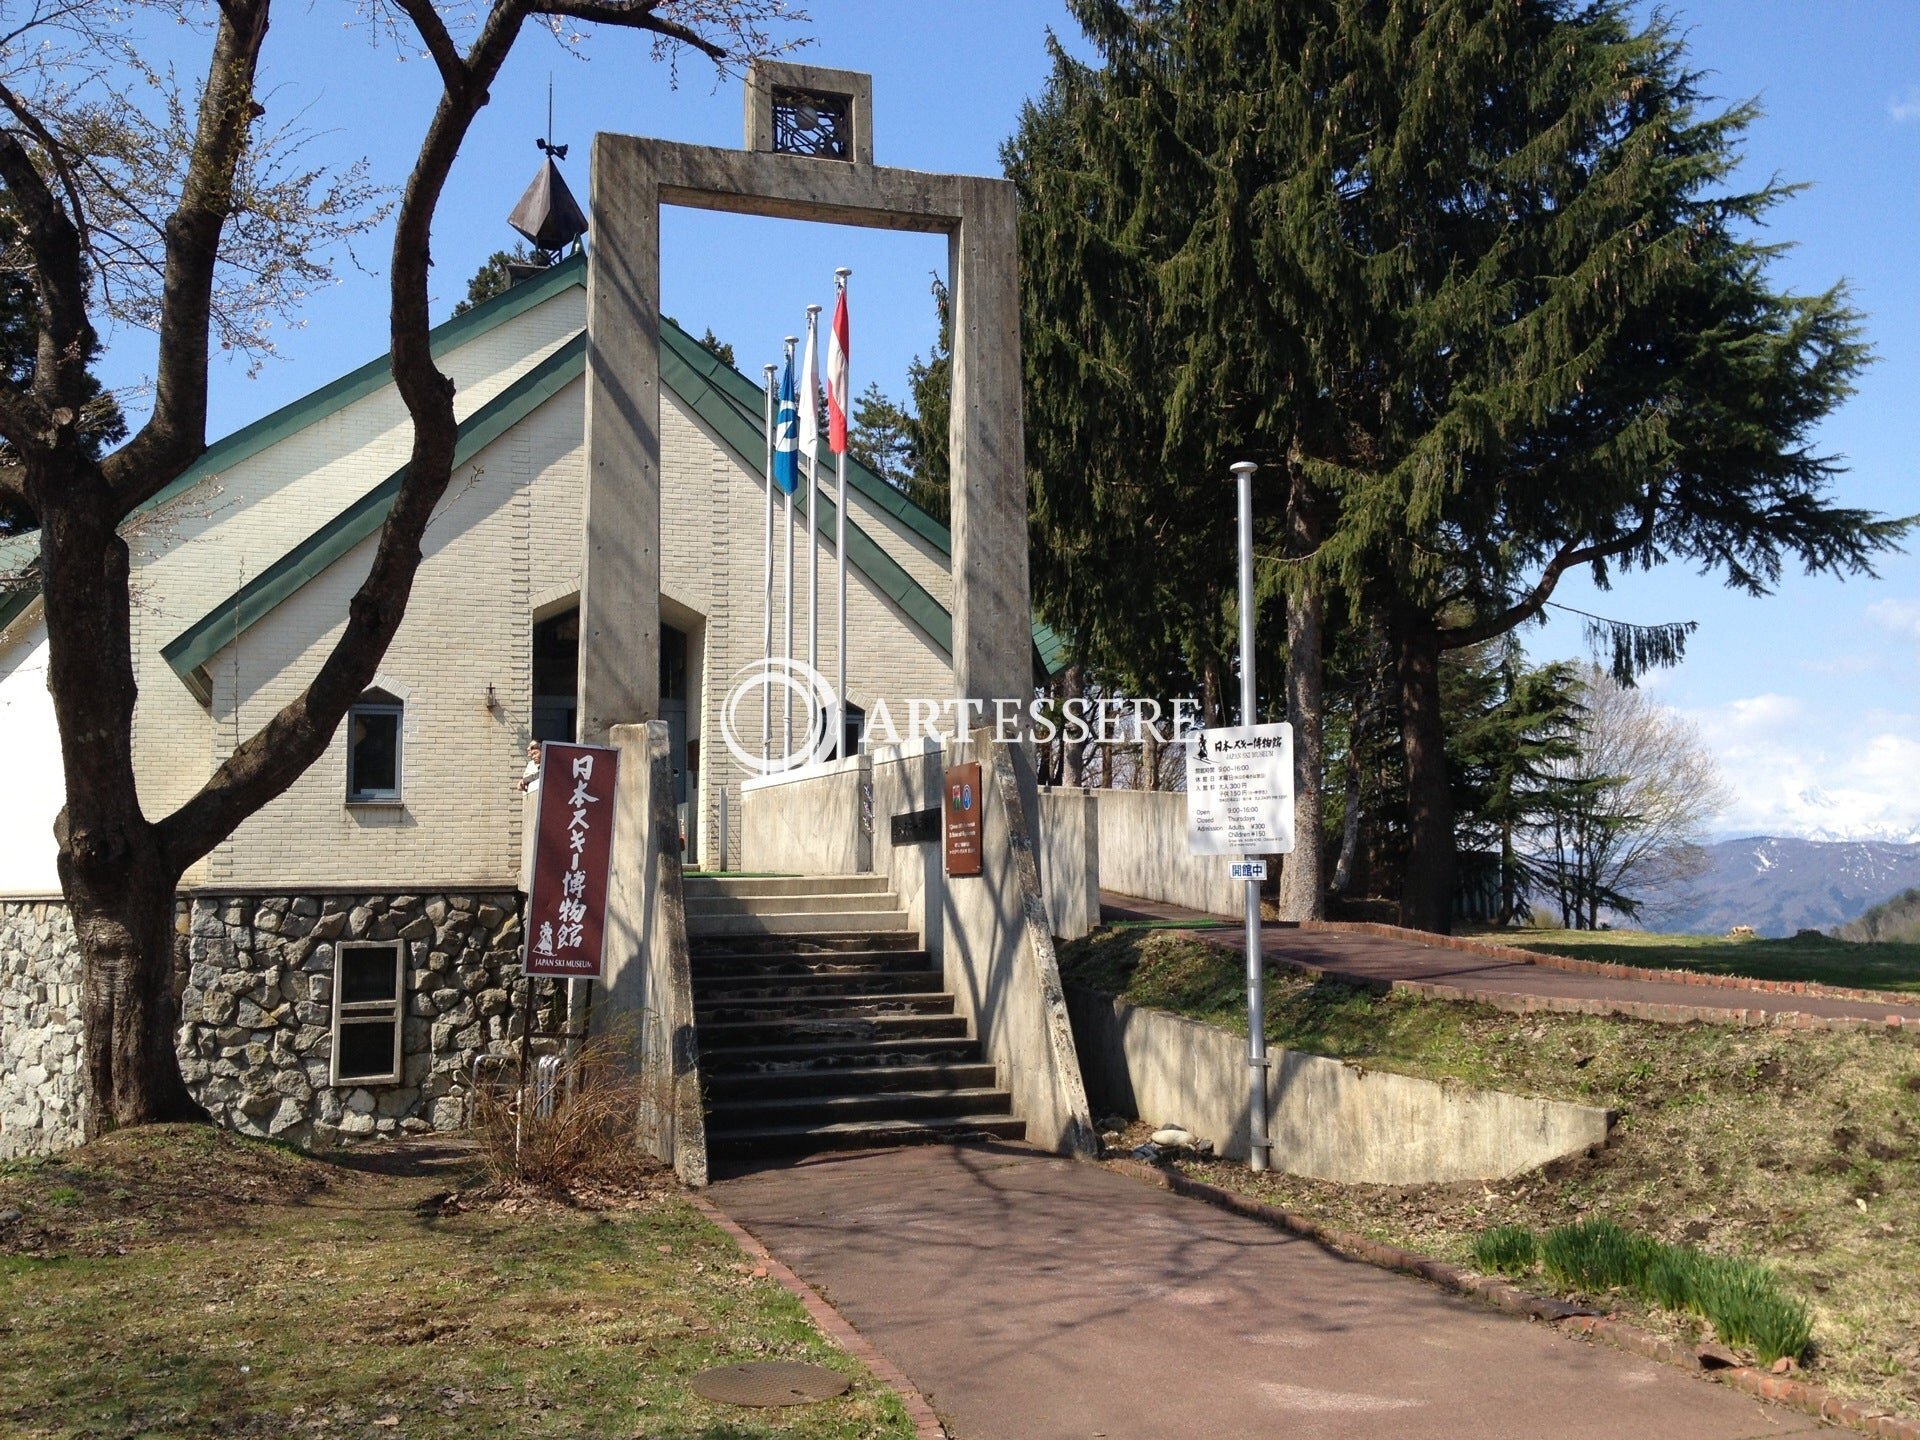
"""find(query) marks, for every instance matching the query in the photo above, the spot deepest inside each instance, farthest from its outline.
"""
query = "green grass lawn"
(1883, 965)
(1797, 1150)
(185, 1282)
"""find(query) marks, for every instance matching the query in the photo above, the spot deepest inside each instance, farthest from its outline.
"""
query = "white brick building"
(243, 569)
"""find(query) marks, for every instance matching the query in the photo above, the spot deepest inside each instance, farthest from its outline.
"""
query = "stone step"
(761, 1111)
(718, 1037)
(837, 980)
(826, 904)
(708, 886)
(816, 1056)
(860, 1134)
(849, 1080)
(720, 954)
(798, 1009)
(892, 922)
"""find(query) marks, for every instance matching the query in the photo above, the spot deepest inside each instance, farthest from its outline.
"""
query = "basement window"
(367, 994)
(373, 749)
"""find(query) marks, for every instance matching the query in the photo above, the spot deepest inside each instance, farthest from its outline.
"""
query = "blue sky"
(1808, 697)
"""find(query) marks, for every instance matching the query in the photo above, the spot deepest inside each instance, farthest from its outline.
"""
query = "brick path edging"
(1895, 1025)
(834, 1325)
(1783, 1390)
(1612, 969)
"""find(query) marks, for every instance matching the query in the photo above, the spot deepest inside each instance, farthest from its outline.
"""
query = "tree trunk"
(1426, 894)
(1073, 758)
(1303, 891)
(117, 879)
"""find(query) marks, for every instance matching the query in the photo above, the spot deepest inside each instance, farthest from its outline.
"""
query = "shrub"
(1506, 1250)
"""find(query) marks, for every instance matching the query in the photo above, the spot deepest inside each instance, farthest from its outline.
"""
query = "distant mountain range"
(1779, 885)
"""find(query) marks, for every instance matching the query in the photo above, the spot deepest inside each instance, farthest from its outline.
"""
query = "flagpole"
(766, 614)
(810, 443)
(845, 400)
(791, 341)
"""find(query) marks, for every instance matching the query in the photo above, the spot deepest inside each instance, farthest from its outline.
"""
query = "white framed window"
(368, 1002)
(374, 728)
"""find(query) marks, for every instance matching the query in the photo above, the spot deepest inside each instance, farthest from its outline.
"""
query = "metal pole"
(766, 620)
(791, 341)
(840, 562)
(810, 375)
(1249, 715)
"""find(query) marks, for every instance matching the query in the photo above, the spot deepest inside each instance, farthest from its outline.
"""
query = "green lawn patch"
(1799, 1152)
(311, 1299)
(1882, 965)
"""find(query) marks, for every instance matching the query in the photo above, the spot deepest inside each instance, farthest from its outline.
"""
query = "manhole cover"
(770, 1382)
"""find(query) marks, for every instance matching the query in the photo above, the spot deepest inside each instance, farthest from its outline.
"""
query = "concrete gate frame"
(620, 569)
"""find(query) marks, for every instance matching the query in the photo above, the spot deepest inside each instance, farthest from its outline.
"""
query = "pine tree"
(1473, 276)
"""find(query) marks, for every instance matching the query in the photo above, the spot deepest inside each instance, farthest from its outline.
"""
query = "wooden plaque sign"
(963, 805)
(572, 855)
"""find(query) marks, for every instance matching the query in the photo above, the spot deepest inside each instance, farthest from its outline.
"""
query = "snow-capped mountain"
(1779, 884)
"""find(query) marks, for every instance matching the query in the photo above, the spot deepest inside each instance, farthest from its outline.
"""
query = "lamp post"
(1249, 715)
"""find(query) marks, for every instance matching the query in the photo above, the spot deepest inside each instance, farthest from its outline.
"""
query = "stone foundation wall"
(41, 1093)
(257, 1013)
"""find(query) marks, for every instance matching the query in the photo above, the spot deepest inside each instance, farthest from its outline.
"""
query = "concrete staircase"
(822, 1024)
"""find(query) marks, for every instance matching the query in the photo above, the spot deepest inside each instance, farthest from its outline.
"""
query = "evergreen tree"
(1474, 276)
(495, 276)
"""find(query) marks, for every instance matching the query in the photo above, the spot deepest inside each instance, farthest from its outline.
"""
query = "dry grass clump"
(581, 1146)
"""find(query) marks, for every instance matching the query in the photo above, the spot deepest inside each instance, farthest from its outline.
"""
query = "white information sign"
(1248, 870)
(1240, 791)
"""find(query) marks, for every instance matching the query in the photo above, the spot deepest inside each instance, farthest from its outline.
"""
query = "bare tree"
(1634, 803)
(181, 212)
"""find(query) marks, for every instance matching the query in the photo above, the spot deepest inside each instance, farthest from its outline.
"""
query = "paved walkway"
(1374, 959)
(1033, 1298)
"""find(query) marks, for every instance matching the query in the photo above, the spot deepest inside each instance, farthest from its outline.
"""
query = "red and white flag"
(838, 401)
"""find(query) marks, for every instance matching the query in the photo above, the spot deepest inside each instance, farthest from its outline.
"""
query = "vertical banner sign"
(963, 809)
(573, 848)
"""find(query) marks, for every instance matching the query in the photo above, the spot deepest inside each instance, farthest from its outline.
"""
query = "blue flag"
(786, 437)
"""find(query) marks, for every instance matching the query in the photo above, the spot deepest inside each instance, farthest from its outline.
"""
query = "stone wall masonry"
(42, 1094)
(256, 1037)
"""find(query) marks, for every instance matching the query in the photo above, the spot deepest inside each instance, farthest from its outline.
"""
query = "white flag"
(810, 393)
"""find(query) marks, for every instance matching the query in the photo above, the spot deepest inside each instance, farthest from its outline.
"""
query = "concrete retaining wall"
(1069, 838)
(1142, 849)
(998, 957)
(809, 822)
(907, 778)
(648, 996)
(1328, 1119)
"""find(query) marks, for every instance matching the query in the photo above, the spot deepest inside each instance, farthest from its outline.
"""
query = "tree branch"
(66, 336)
(56, 157)
(176, 431)
(632, 15)
(1570, 555)
(439, 43)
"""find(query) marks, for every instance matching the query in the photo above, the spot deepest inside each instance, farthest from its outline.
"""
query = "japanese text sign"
(573, 850)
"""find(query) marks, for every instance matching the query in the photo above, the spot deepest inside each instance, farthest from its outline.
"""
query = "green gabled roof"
(189, 652)
(727, 401)
(18, 552)
(270, 430)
